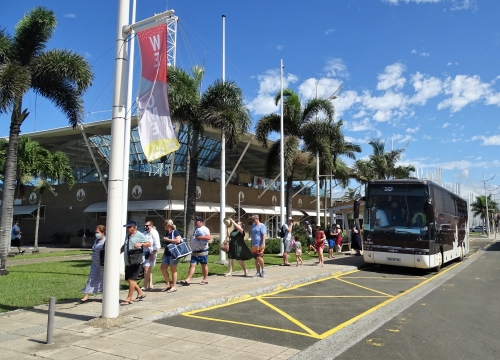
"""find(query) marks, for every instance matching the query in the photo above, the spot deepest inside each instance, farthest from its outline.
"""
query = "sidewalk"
(23, 333)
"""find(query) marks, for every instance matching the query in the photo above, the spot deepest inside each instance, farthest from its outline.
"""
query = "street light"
(318, 210)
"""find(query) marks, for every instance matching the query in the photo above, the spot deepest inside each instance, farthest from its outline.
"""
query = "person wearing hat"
(287, 228)
(320, 244)
(15, 237)
(133, 240)
(199, 247)
(309, 232)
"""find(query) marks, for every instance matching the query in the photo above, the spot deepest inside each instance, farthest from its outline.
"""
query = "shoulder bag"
(102, 254)
(179, 250)
(135, 256)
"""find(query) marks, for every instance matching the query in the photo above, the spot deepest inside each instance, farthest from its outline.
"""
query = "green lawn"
(28, 255)
(34, 284)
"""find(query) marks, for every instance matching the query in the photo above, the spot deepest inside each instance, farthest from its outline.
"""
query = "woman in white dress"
(94, 283)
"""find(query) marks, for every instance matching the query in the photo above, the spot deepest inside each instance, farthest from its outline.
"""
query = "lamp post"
(486, 202)
(318, 210)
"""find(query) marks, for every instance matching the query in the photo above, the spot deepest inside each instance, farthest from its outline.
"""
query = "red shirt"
(319, 235)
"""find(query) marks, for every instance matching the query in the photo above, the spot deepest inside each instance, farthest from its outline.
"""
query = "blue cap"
(130, 223)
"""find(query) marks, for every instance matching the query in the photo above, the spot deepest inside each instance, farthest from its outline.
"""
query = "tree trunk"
(9, 182)
(37, 224)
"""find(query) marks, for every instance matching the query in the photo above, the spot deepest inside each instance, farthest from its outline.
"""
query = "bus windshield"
(397, 208)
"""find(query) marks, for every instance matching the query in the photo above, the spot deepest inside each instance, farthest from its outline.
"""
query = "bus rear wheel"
(440, 262)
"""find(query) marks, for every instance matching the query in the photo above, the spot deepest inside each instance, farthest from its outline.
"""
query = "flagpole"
(282, 161)
(111, 283)
(222, 212)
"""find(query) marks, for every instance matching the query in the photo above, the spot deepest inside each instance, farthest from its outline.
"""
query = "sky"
(418, 74)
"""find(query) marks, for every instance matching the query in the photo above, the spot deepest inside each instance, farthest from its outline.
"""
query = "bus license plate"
(393, 259)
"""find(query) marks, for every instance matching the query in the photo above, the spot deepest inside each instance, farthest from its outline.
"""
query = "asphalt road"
(335, 316)
(457, 320)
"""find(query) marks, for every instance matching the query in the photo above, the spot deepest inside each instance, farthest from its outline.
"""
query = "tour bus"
(413, 223)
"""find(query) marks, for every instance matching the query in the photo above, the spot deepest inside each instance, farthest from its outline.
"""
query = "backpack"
(281, 231)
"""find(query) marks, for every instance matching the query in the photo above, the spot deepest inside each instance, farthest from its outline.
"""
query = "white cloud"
(362, 125)
(426, 88)
(463, 5)
(425, 54)
(488, 140)
(329, 31)
(413, 130)
(280, 47)
(426, 137)
(69, 15)
(414, 51)
(396, 2)
(401, 138)
(383, 105)
(269, 85)
(87, 55)
(336, 67)
(392, 77)
(463, 90)
(446, 124)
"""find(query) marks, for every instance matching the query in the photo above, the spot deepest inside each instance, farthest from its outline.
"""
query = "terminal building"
(156, 190)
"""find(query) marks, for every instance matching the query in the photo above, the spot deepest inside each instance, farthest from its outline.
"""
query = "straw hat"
(227, 222)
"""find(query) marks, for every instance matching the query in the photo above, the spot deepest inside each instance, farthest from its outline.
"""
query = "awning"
(256, 210)
(313, 213)
(203, 207)
(24, 210)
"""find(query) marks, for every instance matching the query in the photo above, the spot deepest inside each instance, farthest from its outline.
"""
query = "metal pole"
(222, 213)
(111, 291)
(50, 321)
(318, 210)
(282, 159)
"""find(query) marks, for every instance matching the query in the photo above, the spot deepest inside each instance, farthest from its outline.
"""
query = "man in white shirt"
(199, 246)
(286, 240)
(380, 217)
(150, 253)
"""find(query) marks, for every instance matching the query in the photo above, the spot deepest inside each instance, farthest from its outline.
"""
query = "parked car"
(477, 229)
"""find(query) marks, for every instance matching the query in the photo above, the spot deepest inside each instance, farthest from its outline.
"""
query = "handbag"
(179, 250)
(225, 246)
(135, 256)
(102, 254)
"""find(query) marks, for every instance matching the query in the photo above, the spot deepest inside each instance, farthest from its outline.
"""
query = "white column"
(282, 160)
(222, 213)
(110, 297)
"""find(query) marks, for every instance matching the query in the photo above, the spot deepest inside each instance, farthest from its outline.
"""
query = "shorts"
(257, 251)
(203, 259)
(151, 261)
(169, 260)
(15, 242)
(134, 272)
(298, 252)
(331, 243)
(309, 240)
(286, 246)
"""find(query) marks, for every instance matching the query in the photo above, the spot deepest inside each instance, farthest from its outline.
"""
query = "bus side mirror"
(356, 209)
(429, 212)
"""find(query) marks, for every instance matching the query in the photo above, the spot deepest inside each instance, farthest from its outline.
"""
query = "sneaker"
(263, 273)
(22, 252)
(256, 275)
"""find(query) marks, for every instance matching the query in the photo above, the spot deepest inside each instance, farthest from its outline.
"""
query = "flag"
(155, 125)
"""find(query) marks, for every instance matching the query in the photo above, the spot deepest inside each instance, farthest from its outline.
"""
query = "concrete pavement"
(23, 332)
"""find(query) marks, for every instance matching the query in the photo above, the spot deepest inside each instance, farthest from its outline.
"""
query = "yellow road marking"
(364, 287)
(324, 296)
(386, 278)
(252, 325)
(369, 311)
(281, 312)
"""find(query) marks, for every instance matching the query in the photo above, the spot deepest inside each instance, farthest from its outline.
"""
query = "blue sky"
(419, 74)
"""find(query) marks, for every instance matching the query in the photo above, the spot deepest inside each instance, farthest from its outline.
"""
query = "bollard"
(50, 322)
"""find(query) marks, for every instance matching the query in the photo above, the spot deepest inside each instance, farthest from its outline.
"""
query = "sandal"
(203, 282)
(167, 289)
(123, 303)
(227, 275)
(184, 283)
(171, 290)
(140, 298)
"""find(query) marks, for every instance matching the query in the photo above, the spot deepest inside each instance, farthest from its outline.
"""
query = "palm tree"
(382, 164)
(295, 119)
(479, 208)
(55, 170)
(59, 75)
(221, 107)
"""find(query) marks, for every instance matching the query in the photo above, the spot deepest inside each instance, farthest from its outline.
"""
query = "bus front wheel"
(461, 257)
(440, 262)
